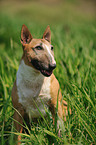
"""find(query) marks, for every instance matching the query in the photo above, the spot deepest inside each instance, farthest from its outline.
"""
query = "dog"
(35, 80)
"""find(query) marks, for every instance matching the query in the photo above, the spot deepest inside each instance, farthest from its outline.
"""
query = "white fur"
(49, 52)
(32, 88)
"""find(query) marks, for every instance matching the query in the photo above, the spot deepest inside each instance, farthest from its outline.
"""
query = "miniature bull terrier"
(35, 80)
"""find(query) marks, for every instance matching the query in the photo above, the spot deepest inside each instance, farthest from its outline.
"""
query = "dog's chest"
(33, 90)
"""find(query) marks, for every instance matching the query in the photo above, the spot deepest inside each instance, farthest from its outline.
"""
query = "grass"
(73, 27)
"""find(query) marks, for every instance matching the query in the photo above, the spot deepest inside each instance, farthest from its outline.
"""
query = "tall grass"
(75, 52)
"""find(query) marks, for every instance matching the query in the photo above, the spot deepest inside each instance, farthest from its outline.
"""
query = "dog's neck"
(29, 74)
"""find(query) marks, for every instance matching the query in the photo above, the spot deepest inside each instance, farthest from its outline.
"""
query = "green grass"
(73, 28)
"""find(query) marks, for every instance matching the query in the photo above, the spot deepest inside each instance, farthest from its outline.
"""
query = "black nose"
(52, 66)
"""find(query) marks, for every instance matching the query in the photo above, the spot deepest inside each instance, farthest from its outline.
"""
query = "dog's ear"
(47, 34)
(26, 36)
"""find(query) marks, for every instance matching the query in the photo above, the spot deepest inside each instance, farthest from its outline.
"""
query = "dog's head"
(38, 53)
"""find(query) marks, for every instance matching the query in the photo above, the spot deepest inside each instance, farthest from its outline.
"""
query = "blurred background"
(13, 13)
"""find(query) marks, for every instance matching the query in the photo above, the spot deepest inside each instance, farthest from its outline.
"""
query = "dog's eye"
(51, 47)
(39, 47)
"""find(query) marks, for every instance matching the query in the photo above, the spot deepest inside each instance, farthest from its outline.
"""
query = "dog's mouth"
(46, 73)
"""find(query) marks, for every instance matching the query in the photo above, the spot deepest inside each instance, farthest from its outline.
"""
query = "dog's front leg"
(18, 122)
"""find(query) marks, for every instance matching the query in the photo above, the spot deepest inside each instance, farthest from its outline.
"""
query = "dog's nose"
(52, 66)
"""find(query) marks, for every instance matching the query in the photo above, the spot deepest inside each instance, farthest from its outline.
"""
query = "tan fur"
(19, 108)
(42, 56)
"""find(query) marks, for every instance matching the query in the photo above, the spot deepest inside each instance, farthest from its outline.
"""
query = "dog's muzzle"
(46, 71)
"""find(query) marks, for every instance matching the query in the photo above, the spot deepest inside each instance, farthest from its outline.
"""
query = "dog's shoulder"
(54, 84)
(55, 90)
